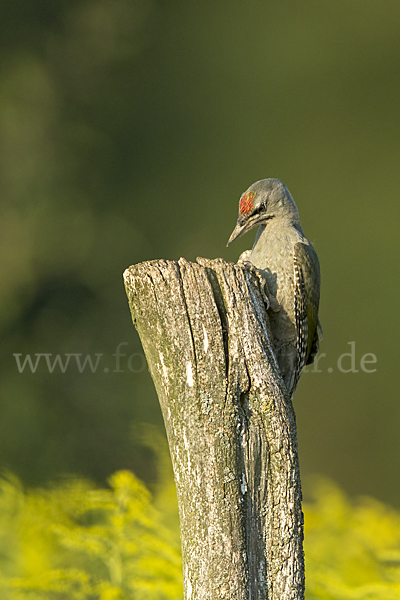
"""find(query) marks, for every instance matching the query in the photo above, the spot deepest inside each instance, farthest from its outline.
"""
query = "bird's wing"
(307, 282)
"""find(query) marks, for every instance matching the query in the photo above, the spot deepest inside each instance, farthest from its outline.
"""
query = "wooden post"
(230, 426)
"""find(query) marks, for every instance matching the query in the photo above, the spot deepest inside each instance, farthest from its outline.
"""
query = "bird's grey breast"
(273, 253)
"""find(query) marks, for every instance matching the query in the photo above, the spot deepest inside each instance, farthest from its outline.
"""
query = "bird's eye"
(259, 209)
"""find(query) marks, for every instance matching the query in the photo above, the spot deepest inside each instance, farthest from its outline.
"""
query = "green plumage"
(307, 257)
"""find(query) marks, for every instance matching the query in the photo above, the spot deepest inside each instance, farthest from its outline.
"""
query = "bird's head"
(264, 200)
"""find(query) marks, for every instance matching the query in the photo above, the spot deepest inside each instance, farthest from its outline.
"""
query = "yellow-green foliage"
(78, 542)
(352, 549)
(74, 541)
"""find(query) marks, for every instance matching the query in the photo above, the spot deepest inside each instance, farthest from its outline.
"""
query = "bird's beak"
(237, 232)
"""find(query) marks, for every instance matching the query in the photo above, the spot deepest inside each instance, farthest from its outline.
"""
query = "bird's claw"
(270, 301)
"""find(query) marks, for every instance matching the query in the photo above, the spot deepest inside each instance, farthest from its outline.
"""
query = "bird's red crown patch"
(246, 203)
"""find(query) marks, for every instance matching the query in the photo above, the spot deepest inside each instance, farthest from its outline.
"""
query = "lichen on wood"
(230, 425)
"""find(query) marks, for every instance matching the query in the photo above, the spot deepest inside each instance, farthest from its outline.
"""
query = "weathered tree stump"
(231, 427)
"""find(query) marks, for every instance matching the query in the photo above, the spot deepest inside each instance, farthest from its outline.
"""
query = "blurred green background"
(128, 131)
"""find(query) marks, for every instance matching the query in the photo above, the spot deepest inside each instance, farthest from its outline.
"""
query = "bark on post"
(231, 430)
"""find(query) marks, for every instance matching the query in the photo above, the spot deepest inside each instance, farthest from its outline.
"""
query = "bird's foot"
(244, 258)
(270, 300)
